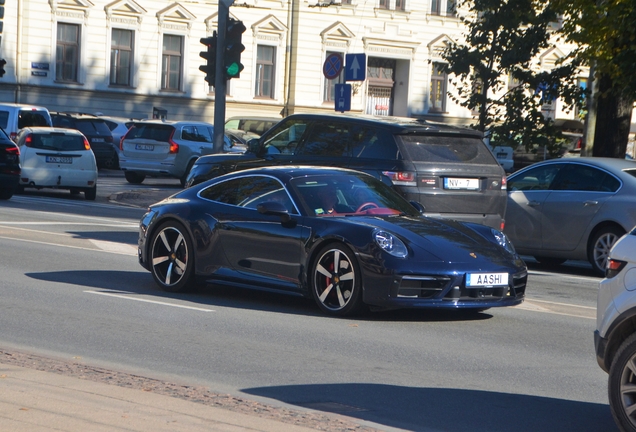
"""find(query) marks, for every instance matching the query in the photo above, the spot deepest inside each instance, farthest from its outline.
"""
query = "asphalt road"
(72, 287)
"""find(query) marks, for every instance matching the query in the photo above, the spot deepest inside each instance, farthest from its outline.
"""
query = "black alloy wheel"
(336, 282)
(171, 257)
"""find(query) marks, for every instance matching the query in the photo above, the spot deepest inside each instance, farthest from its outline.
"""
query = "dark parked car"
(9, 166)
(95, 130)
(449, 170)
(571, 208)
(338, 236)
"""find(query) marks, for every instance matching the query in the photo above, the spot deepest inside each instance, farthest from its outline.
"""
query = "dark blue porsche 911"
(339, 236)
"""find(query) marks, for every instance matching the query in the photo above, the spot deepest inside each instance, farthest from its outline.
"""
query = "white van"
(14, 117)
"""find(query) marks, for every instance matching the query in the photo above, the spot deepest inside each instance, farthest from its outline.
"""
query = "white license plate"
(59, 159)
(461, 183)
(476, 280)
(146, 147)
(98, 139)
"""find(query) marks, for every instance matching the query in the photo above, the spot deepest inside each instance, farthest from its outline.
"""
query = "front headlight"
(390, 243)
(502, 240)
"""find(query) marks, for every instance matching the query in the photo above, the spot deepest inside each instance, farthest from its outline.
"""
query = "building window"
(436, 7)
(330, 84)
(265, 56)
(383, 4)
(451, 7)
(171, 62)
(121, 55)
(438, 88)
(67, 52)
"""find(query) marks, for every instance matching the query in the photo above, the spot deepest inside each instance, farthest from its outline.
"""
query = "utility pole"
(220, 87)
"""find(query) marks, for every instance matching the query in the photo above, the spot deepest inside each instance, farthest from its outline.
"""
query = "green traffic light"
(233, 69)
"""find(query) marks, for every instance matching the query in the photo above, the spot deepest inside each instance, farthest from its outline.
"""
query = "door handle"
(590, 203)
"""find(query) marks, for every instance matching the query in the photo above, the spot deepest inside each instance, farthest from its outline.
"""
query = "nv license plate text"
(59, 159)
(461, 183)
(486, 279)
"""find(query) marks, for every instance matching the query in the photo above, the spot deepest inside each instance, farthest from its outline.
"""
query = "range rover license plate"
(59, 159)
(461, 183)
(479, 280)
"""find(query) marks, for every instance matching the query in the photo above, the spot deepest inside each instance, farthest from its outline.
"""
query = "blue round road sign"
(333, 66)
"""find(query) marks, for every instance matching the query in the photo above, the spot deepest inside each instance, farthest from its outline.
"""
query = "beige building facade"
(140, 58)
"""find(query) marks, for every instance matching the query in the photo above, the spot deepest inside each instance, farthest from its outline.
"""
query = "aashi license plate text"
(486, 279)
(461, 183)
(59, 159)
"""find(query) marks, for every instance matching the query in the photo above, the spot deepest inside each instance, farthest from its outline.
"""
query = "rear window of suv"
(446, 149)
(29, 118)
(154, 132)
(91, 127)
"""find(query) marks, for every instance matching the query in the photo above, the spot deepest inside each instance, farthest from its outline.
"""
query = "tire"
(599, 247)
(5, 194)
(621, 386)
(184, 177)
(91, 193)
(336, 262)
(549, 261)
(171, 257)
(133, 177)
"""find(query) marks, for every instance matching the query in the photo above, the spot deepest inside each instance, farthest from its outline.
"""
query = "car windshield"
(55, 141)
(349, 195)
(446, 149)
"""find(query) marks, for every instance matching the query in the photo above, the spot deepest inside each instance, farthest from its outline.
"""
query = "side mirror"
(274, 208)
(418, 206)
(253, 145)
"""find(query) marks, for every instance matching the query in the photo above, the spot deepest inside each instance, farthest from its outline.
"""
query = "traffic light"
(2, 71)
(233, 48)
(210, 55)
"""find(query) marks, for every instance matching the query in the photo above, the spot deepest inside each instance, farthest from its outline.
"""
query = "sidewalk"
(32, 400)
(43, 394)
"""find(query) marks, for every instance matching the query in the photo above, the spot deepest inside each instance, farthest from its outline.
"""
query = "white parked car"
(14, 117)
(57, 158)
(615, 335)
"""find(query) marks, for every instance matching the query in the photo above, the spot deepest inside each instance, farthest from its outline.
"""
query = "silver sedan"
(574, 208)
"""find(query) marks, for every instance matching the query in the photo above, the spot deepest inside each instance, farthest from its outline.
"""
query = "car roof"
(45, 129)
(76, 115)
(398, 125)
(15, 105)
(610, 164)
(173, 123)
(295, 171)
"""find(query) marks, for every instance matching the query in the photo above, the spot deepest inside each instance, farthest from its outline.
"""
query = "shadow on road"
(141, 283)
(444, 409)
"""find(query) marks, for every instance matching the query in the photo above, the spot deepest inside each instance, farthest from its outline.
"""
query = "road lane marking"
(68, 246)
(149, 301)
(555, 308)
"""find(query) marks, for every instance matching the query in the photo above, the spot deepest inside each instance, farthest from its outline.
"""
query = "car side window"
(249, 192)
(196, 134)
(576, 177)
(374, 143)
(285, 137)
(4, 119)
(539, 178)
(327, 139)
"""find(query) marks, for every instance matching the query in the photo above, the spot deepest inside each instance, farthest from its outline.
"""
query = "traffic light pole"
(220, 86)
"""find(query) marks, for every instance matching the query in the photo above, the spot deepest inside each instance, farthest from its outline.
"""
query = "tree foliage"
(503, 41)
(605, 33)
